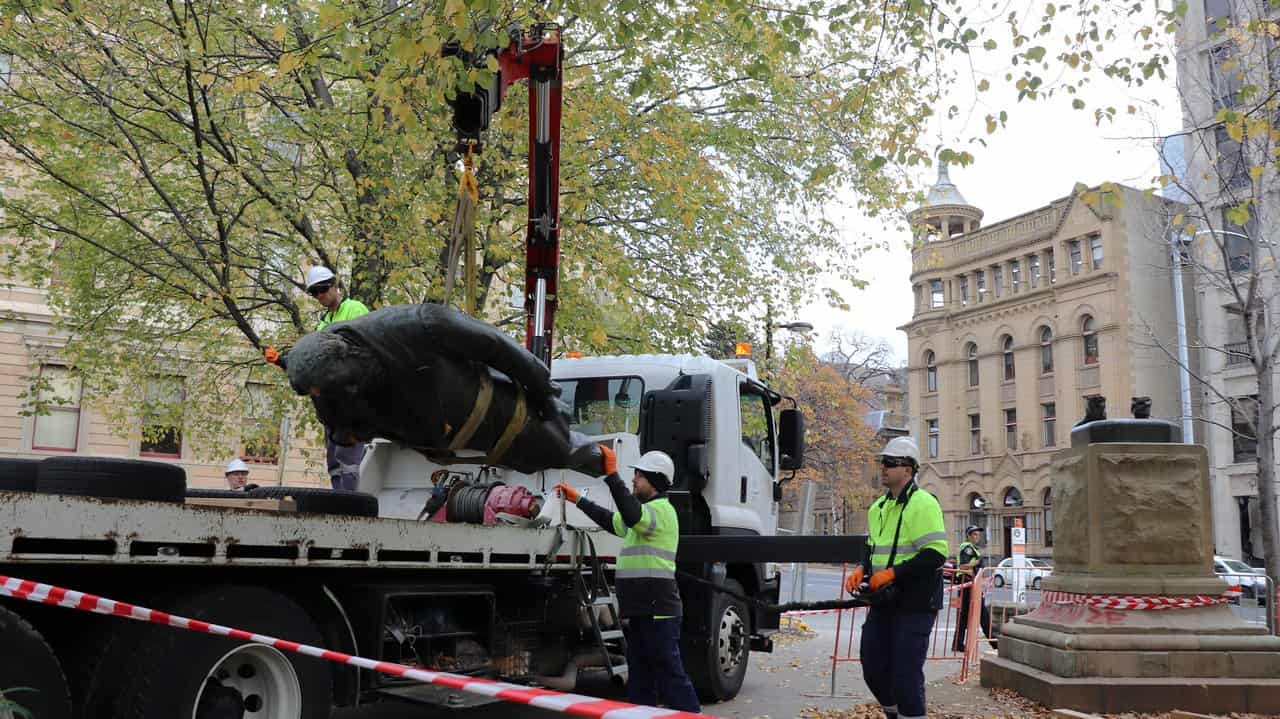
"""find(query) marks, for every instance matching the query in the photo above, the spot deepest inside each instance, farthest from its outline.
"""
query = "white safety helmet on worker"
(902, 447)
(317, 275)
(658, 463)
(236, 465)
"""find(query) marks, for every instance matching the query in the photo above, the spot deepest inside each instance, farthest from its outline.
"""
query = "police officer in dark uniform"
(969, 561)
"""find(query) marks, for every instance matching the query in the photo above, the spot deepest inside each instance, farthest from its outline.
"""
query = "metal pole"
(1184, 373)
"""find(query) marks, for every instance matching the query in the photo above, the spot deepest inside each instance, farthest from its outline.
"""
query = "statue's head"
(340, 377)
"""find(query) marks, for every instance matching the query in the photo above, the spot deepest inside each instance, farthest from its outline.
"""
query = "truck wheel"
(18, 475)
(30, 675)
(216, 494)
(176, 673)
(718, 670)
(315, 500)
(111, 477)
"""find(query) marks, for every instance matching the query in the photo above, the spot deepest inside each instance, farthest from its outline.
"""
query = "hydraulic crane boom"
(536, 55)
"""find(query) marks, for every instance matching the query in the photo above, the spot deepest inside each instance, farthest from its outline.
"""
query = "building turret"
(944, 214)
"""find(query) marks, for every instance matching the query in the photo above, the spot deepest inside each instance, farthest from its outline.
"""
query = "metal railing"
(1238, 353)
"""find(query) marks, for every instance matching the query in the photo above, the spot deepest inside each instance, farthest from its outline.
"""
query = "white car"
(1252, 581)
(1035, 571)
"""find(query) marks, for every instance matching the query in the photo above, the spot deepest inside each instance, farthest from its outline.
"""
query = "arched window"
(1046, 350)
(931, 372)
(971, 353)
(1048, 517)
(1089, 333)
(1007, 350)
(1012, 497)
(977, 513)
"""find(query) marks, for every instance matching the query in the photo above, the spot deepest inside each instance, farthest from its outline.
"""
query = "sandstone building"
(1015, 325)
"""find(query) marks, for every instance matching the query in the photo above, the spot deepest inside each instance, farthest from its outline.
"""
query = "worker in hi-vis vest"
(646, 577)
(906, 548)
(343, 461)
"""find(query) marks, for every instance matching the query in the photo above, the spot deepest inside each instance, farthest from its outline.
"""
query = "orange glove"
(271, 355)
(854, 579)
(881, 578)
(568, 492)
(610, 460)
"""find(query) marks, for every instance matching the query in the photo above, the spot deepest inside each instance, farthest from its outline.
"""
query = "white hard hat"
(318, 274)
(901, 447)
(236, 465)
(659, 462)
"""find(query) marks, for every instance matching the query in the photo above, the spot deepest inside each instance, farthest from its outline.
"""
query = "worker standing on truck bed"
(343, 461)
(646, 578)
(907, 546)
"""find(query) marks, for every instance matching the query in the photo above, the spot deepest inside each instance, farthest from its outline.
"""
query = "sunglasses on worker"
(890, 462)
(319, 290)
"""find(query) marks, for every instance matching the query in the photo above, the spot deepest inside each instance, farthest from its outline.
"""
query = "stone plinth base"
(1114, 695)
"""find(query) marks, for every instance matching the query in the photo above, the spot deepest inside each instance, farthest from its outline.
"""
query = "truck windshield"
(603, 405)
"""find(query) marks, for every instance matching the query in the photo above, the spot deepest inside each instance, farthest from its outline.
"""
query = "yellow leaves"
(249, 82)
(290, 61)
(1179, 219)
(1235, 130)
(1255, 172)
(205, 80)
(330, 17)
(279, 32)
(598, 336)
(984, 85)
(991, 124)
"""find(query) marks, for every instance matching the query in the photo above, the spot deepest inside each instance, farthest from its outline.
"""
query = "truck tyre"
(719, 667)
(315, 500)
(29, 672)
(171, 673)
(18, 475)
(114, 478)
(216, 494)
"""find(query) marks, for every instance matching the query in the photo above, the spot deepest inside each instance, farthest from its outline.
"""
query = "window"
(1033, 527)
(975, 434)
(977, 512)
(57, 393)
(1049, 412)
(1015, 275)
(1053, 268)
(1226, 75)
(933, 438)
(260, 431)
(964, 289)
(1046, 350)
(1035, 270)
(1244, 442)
(603, 405)
(1217, 16)
(1012, 497)
(757, 430)
(935, 294)
(1011, 429)
(1095, 250)
(1048, 517)
(1074, 247)
(1007, 352)
(1089, 334)
(971, 353)
(997, 275)
(1237, 240)
(162, 418)
(930, 373)
(1232, 166)
(981, 280)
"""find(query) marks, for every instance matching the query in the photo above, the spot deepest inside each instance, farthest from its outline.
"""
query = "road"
(797, 673)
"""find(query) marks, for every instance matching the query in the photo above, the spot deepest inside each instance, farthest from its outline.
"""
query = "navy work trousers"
(894, 647)
(655, 671)
(343, 463)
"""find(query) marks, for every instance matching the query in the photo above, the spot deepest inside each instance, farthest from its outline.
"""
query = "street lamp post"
(770, 326)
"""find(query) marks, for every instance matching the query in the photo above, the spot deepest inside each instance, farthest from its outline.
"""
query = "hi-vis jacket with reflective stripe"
(921, 547)
(646, 574)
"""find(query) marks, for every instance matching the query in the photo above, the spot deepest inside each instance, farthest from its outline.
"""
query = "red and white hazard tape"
(1134, 602)
(575, 704)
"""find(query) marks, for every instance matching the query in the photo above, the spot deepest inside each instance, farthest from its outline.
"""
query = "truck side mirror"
(791, 438)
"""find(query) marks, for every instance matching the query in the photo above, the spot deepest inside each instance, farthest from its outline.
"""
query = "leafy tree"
(721, 341)
(177, 165)
(839, 444)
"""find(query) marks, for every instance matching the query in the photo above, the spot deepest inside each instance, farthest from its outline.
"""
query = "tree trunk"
(1266, 468)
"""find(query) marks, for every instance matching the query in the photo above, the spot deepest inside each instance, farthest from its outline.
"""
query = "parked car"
(1035, 571)
(1252, 581)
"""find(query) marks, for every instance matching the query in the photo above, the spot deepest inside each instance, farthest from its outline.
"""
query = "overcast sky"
(1044, 151)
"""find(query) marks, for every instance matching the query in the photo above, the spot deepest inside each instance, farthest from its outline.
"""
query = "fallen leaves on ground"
(792, 630)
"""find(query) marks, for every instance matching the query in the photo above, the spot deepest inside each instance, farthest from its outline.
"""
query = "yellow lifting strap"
(462, 237)
(478, 411)
(519, 417)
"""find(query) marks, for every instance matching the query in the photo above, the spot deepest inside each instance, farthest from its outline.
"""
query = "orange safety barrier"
(850, 621)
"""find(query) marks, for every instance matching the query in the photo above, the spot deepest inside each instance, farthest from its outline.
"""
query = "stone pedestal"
(1134, 518)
